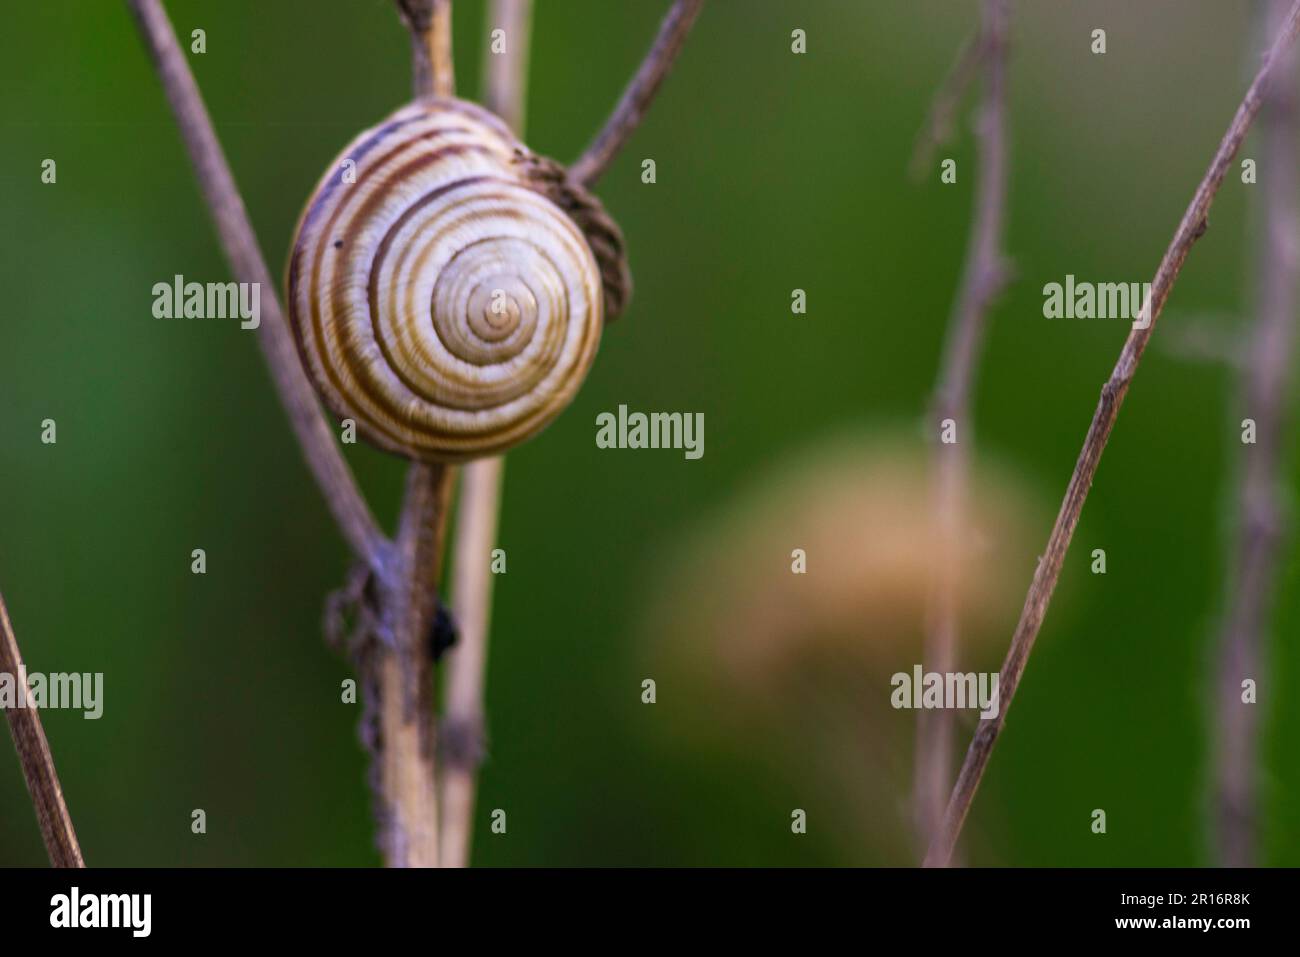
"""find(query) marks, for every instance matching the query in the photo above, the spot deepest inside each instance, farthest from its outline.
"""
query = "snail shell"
(447, 287)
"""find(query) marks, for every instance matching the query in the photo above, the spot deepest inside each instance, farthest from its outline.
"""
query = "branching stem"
(1190, 228)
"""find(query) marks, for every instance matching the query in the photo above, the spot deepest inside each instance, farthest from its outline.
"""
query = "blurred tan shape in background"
(793, 669)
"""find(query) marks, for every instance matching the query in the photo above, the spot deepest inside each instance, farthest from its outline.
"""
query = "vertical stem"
(505, 82)
(505, 74)
(403, 673)
(463, 738)
(983, 277)
(444, 74)
(1260, 506)
(432, 70)
(34, 755)
(933, 757)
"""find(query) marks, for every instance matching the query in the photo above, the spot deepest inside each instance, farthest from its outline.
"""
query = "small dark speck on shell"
(338, 244)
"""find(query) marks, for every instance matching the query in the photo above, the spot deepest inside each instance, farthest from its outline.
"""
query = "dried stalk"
(505, 83)
(463, 734)
(636, 99)
(239, 243)
(403, 677)
(432, 69)
(1191, 228)
(505, 75)
(1265, 380)
(37, 762)
(983, 277)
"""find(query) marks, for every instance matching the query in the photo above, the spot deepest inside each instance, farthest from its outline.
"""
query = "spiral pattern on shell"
(447, 287)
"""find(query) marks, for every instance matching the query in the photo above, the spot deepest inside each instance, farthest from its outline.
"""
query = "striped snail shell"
(447, 287)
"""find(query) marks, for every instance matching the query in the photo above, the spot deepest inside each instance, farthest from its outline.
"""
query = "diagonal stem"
(239, 244)
(1190, 228)
(636, 99)
(34, 755)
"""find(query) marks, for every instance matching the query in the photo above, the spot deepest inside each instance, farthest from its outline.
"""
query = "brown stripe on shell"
(353, 360)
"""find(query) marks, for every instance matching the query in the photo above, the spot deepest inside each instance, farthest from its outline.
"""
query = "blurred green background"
(775, 172)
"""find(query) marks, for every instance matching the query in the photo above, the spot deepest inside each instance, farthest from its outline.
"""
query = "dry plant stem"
(463, 741)
(636, 99)
(444, 76)
(403, 676)
(505, 82)
(239, 244)
(983, 277)
(1260, 507)
(432, 70)
(505, 75)
(1192, 226)
(38, 764)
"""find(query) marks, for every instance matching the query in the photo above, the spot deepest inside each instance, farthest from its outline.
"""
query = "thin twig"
(239, 244)
(505, 82)
(505, 74)
(34, 755)
(429, 21)
(1191, 228)
(1265, 381)
(983, 277)
(640, 92)
(938, 127)
(463, 733)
